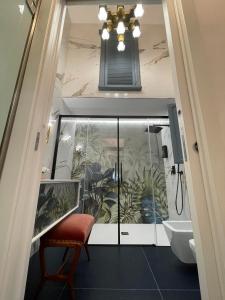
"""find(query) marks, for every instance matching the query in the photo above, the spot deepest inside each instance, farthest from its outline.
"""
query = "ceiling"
(88, 14)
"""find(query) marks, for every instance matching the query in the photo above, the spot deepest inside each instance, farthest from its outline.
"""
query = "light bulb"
(138, 11)
(102, 15)
(105, 34)
(120, 28)
(50, 125)
(121, 46)
(136, 32)
(21, 8)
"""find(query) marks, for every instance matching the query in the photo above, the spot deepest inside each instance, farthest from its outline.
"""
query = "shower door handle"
(118, 171)
(121, 172)
(115, 173)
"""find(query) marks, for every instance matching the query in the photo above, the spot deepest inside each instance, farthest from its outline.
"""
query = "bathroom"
(123, 153)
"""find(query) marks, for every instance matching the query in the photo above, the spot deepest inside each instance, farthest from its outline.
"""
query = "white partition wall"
(195, 33)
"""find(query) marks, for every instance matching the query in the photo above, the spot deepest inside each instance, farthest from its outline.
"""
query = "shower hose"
(179, 180)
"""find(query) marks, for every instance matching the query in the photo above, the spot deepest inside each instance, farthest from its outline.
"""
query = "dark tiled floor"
(113, 295)
(125, 272)
(178, 295)
(169, 272)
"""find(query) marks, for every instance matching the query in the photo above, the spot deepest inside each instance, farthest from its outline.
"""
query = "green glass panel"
(88, 151)
(143, 202)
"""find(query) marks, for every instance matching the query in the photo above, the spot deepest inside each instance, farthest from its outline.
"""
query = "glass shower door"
(88, 152)
(119, 164)
(158, 179)
(136, 197)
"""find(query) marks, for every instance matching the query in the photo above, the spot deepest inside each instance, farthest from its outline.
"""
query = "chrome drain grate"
(124, 233)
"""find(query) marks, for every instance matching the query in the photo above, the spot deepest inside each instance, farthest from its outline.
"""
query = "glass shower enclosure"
(120, 166)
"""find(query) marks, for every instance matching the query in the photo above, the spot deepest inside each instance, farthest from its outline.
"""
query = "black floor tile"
(115, 268)
(119, 273)
(112, 295)
(184, 295)
(46, 293)
(53, 258)
(169, 272)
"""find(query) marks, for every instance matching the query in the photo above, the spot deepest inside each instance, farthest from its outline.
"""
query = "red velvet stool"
(72, 232)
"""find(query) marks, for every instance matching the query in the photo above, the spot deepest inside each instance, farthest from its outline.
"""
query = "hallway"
(125, 272)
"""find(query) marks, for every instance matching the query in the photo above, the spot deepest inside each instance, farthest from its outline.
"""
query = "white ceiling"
(118, 106)
(88, 14)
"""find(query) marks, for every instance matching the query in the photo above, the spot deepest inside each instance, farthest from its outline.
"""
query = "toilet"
(192, 246)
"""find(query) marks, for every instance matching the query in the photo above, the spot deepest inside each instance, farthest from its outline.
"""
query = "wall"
(81, 75)
(195, 31)
(203, 30)
(171, 182)
(58, 106)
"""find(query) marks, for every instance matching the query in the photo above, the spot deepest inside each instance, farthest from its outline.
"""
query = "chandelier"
(120, 21)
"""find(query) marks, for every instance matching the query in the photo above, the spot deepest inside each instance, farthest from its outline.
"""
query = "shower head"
(153, 129)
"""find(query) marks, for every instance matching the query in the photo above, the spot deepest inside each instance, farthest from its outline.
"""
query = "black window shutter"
(120, 71)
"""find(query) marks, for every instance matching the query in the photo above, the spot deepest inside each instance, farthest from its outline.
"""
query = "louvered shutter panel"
(120, 70)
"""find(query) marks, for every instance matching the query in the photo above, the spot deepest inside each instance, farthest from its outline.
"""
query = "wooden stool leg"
(87, 251)
(74, 263)
(86, 248)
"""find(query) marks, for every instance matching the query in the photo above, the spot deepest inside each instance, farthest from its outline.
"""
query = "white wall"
(204, 43)
(195, 31)
(58, 106)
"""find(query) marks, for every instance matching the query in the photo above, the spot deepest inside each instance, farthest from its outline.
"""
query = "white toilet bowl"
(192, 246)
(179, 233)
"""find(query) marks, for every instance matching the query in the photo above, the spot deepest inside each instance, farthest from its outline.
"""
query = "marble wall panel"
(81, 75)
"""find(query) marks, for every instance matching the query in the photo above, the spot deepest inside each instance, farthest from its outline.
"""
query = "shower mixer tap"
(173, 170)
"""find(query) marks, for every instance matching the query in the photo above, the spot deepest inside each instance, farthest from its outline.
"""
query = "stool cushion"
(76, 227)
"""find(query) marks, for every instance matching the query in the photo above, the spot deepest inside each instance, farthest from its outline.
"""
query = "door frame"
(23, 175)
(20, 178)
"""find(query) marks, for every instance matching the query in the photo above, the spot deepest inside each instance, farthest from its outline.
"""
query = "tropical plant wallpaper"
(142, 184)
(54, 201)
